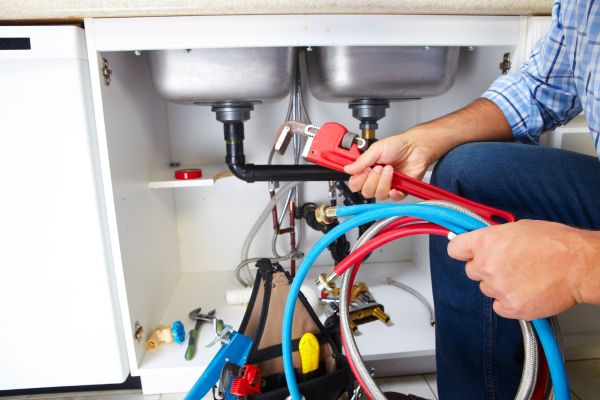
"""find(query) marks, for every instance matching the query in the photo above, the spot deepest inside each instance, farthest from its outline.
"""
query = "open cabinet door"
(60, 320)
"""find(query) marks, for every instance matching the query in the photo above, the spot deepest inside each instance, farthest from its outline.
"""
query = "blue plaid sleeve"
(543, 95)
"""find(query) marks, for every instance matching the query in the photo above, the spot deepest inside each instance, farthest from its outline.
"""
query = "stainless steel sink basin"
(204, 76)
(350, 73)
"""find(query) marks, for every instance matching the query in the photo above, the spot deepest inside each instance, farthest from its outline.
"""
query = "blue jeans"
(479, 355)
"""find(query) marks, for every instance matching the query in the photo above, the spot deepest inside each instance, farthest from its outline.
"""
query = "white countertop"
(78, 9)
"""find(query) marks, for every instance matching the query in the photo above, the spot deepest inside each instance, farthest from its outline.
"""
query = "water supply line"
(449, 219)
(528, 381)
(295, 112)
(254, 230)
(528, 375)
(247, 261)
(358, 367)
(233, 115)
(444, 217)
(415, 294)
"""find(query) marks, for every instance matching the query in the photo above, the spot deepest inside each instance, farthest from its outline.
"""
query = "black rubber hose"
(340, 247)
(354, 198)
(308, 213)
(350, 198)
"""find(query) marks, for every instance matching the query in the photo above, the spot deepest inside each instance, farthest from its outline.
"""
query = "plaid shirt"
(560, 79)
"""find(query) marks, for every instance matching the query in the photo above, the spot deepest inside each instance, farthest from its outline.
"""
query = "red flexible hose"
(400, 222)
(390, 233)
(397, 230)
(352, 366)
(386, 237)
(543, 377)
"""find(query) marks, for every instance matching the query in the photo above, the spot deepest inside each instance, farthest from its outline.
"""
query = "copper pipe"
(274, 214)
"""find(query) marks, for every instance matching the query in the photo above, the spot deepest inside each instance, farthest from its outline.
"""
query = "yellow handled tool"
(309, 352)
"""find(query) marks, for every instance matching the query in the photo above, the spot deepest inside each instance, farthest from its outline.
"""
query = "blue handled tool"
(234, 349)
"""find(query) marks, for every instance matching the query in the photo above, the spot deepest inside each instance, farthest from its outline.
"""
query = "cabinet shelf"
(210, 174)
(165, 179)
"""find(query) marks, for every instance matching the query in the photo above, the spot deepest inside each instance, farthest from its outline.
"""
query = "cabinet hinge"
(139, 332)
(106, 72)
(505, 64)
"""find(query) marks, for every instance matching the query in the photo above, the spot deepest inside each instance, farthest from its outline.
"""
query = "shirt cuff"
(511, 94)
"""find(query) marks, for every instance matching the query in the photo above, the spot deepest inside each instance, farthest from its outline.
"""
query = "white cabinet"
(174, 249)
(130, 247)
(60, 322)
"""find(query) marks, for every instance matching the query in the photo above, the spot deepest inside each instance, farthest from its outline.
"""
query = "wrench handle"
(325, 150)
(425, 191)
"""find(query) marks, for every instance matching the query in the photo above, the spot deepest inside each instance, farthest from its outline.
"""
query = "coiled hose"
(368, 384)
(451, 219)
(528, 377)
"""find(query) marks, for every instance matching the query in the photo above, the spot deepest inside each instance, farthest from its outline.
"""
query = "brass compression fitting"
(368, 134)
(326, 281)
(326, 214)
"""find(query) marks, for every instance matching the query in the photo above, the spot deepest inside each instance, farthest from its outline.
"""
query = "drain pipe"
(233, 115)
(368, 112)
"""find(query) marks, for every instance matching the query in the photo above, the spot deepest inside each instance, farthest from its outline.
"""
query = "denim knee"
(472, 170)
(456, 168)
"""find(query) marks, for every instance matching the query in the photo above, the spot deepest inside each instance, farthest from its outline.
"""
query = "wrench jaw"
(291, 128)
(288, 130)
(307, 146)
(284, 137)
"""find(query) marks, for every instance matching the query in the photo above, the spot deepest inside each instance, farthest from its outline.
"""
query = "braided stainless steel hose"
(549, 395)
(529, 375)
(456, 207)
(345, 329)
(416, 294)
(531, 361)
(240, 266)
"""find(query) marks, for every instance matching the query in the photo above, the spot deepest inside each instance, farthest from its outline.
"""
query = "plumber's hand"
(413, 151)
(532, 269)
(404, 153)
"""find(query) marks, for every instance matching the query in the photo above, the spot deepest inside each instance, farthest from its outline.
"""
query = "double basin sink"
(339, 74)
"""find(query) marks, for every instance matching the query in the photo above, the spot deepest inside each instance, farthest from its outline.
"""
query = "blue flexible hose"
(349, 211)
(558, 372)
(450, 219)
(454, 221)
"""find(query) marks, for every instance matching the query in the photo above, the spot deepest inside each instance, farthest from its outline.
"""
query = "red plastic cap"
(248, 382)
(188, 173)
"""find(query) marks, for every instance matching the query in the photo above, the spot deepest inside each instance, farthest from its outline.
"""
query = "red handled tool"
(248, 381)
(332, 146)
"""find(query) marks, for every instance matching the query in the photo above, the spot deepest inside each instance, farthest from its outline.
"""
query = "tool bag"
(263, 322)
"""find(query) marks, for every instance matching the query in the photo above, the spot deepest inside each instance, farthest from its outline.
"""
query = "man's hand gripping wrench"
(332, 146)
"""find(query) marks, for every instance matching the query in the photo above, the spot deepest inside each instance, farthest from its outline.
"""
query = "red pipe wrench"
(332, 146)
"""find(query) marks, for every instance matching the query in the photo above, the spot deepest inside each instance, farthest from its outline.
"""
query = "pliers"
(195, 333)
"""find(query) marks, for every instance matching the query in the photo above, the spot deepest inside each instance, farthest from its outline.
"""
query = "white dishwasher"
(57, 298)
